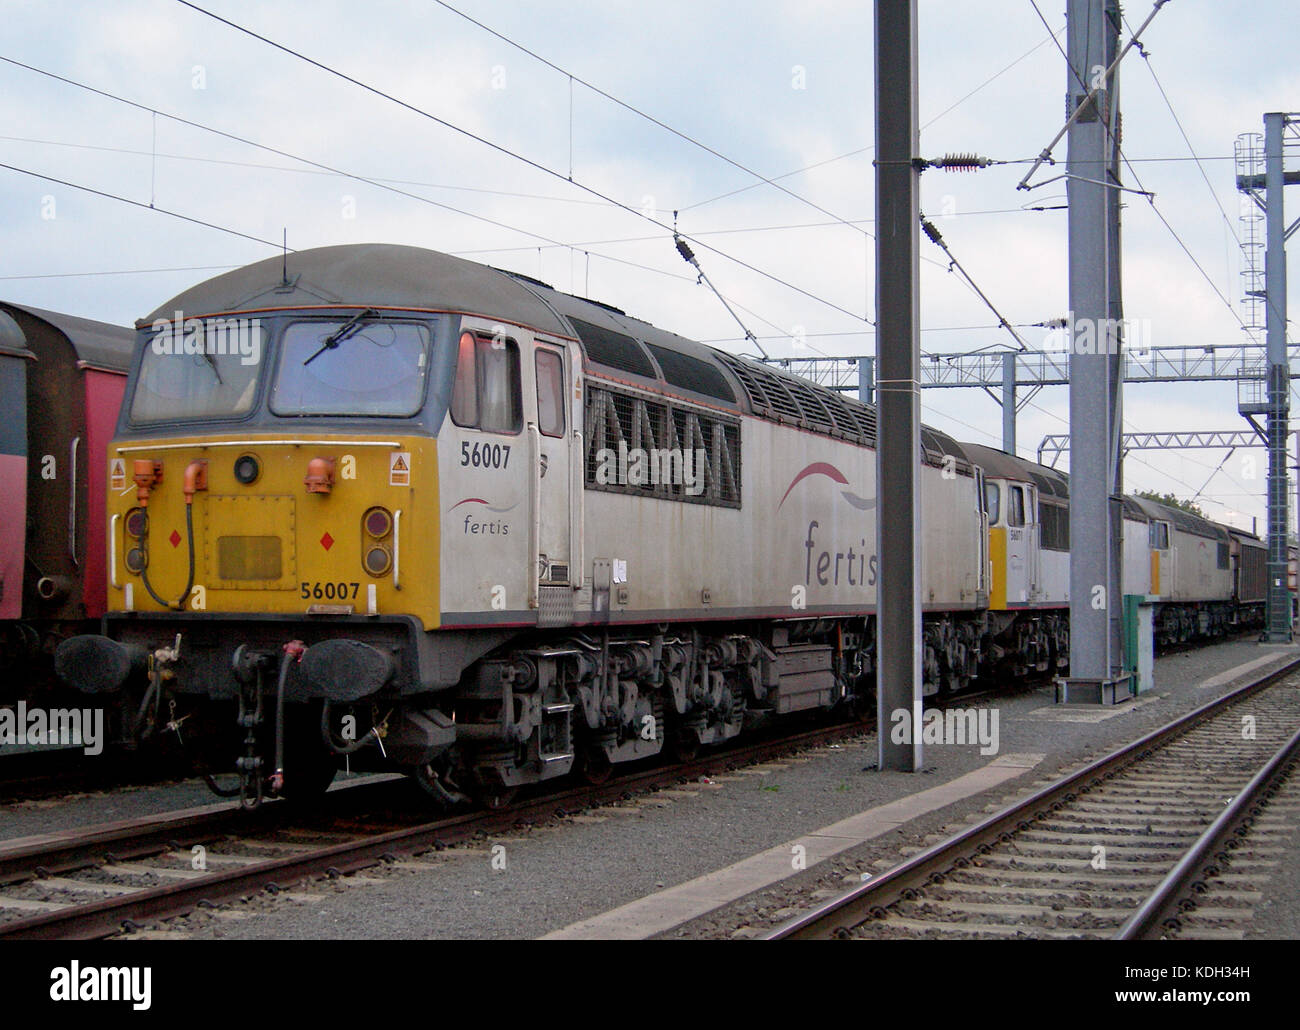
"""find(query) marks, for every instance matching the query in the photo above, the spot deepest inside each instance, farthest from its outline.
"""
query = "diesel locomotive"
(379, 502)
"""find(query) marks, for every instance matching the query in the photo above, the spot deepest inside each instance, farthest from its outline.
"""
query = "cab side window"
(993, 502)
(464, 394)
(486, 394)
(550, 392)
(1160, 536)
(1016, 509)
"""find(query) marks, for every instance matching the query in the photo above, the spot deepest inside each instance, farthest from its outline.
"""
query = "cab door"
(485, 470)
(1162, 572)
(1022, 544)
(555, 456)
(985, 575)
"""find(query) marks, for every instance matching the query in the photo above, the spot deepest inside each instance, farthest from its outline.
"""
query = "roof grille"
(613, 349)
(689, 373)
(794, 401)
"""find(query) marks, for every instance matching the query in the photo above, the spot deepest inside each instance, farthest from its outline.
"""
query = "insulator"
(962, 162)
(929, 229)
(684, 249)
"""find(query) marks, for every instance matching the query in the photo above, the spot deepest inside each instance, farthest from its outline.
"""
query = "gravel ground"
(542, 878)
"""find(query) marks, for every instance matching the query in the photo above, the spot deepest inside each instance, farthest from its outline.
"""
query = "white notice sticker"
(399, 468)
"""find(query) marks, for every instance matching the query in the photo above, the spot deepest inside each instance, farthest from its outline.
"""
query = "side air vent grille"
(688, 373)
(613, 349)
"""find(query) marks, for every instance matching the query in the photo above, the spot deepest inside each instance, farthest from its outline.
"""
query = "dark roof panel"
(368, 274)
(1001, 465)
(690, 373)
(613, 349)
(1183, 520)
(12, 340)
(98, 344)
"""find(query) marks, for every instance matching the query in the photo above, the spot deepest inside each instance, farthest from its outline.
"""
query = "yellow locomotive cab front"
(322, 524)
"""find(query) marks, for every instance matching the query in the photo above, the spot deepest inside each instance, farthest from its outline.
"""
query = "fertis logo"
(822, 468)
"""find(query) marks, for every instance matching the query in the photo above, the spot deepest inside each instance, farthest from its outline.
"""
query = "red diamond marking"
(175, 538)
(327, 541)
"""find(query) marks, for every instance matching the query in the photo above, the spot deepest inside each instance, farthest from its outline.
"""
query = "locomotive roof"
(12, 340)
(1002, 465)
(97, 344)
(366, 275)
(1184, 520)
(615, 344)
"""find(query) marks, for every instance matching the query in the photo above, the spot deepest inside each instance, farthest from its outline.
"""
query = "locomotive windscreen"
(192, 369)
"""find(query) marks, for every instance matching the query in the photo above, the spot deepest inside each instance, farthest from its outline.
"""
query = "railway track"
(1171, 834)
(83, 886)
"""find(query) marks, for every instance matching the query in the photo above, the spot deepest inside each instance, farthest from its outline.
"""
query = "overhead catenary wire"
(284, 168)
(322, 168)
(763, 179)
(502, 149)
(1200, 162)
(867, 149)
(935, 237)
(234, 137)
(594, 202)
(119, 271)
(1150, 196)
(140, 204)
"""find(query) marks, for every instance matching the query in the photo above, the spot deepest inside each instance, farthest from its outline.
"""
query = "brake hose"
(144, 571)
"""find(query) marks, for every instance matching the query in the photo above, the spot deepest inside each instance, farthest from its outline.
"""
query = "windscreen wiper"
(215, 371)
(348, 328)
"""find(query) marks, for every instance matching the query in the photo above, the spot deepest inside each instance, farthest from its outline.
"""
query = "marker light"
(377, 561)
(378, 522)
(137, 522)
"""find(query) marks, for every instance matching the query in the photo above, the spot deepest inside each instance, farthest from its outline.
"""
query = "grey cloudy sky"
(779, 87)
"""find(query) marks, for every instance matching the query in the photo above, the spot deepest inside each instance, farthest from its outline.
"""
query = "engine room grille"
(636, 445)
(1055, 522)
(794, 401)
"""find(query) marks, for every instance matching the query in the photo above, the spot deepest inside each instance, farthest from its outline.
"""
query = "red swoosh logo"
(467, 500)
(817, 468)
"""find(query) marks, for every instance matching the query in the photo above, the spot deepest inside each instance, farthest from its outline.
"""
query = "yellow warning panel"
(399, 468)
(998, 559)
(1155, 573)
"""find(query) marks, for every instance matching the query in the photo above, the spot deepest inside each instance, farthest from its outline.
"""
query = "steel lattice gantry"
(1262, 177)
(1210, 439)
(1181, 363)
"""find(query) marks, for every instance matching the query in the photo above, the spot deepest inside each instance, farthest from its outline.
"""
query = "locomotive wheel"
(438, 785)
(309, 768)
(496, 797)
(594, 766)
(309, 777)
(683, 745)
